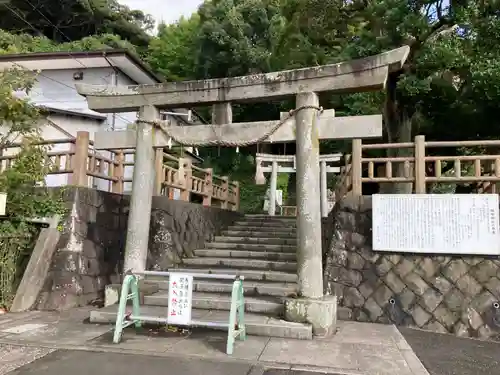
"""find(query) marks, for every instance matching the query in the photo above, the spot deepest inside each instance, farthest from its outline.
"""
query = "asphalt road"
(99, 363)
(102, 363)
(451, 355)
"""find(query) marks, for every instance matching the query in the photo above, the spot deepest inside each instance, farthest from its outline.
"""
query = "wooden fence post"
(420, 185)
(225, 191)
(118, 172)
(188, 182)
(159, 171)
(236, 205)
(208, 191)
(80, 160)
(356, 168)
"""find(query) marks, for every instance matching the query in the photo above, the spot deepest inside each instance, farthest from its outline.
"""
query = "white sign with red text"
(180, 299)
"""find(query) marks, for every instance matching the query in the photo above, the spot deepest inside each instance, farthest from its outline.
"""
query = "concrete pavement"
(356, 349)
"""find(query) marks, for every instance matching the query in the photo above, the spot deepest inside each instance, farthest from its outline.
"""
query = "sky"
(167, 11)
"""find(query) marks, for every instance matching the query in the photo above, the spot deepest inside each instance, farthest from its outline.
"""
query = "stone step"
(263, 229)
(251, 247)
(266, 223)
(256, 240)
(269, 217)
(240, 263)
(256, 324)
(236, 253)
(251, 288)
(258, 233)
(219, 301)
(253, 275)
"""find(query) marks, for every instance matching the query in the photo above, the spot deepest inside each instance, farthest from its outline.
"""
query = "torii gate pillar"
(309, 257)
(136, 246)
(312, 306)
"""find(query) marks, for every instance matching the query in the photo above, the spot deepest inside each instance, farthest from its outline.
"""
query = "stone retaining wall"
(454, 294)
(90, 252)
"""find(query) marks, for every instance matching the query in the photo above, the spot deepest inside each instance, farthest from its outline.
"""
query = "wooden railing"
(421, 168)
(84, 165)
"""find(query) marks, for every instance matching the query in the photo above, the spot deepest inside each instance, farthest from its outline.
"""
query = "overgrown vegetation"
(23, 181)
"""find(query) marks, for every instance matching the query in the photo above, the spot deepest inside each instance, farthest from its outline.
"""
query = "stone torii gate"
(306, 125)
(287, 164)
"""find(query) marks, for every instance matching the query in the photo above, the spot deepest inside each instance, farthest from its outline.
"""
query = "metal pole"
(136, 248)
(272, 189)
(324, 193)
(309, 255)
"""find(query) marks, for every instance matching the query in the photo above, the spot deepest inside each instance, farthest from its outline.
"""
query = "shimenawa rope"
(168, 130)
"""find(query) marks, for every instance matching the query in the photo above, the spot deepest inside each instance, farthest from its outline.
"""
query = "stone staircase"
(260, 248)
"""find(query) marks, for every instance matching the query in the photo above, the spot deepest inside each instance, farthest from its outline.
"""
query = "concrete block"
(321, 313)
(36, 271)
(112, 292)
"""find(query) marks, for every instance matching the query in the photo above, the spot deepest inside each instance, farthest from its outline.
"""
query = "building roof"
(121, 59)
(51, 108)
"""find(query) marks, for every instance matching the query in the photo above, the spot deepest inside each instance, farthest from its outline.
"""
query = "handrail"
(80, 161)
(421, 168)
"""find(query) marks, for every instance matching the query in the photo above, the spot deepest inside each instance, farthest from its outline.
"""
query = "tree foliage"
(24, 180)
(448, 90)
(69, 20)
(24, 43)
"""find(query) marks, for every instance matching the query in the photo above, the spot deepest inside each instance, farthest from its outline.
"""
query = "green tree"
(69, 20)
(174, 51)
(23, 180)
(448, 89)
(24, 43)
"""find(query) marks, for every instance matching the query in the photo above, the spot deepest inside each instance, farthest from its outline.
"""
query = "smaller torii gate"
(274, 164)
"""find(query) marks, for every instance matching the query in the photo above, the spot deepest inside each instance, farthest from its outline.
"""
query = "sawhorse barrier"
(182, 292)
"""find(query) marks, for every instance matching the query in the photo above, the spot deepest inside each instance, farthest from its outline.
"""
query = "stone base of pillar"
(321, 313)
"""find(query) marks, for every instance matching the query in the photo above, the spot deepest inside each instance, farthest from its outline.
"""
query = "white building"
(67, 111)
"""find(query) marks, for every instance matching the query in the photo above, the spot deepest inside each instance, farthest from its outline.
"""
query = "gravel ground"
(13, 356)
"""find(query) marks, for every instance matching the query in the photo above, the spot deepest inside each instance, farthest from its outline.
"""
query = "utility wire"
(38, 31)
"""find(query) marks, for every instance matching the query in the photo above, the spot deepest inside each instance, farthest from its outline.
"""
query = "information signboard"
(436, 223)
(3, 203)
(180, 299)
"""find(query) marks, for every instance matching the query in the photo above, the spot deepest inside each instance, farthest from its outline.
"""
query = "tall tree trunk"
(398, 126)
(291, 199)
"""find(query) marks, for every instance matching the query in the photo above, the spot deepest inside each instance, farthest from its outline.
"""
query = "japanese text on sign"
(436, 223)
(180, 297)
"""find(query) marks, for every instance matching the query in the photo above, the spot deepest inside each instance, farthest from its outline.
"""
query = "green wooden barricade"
(130, 291)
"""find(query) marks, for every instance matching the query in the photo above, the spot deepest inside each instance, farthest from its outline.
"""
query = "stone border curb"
(414, 363)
